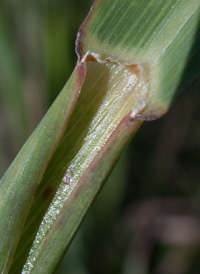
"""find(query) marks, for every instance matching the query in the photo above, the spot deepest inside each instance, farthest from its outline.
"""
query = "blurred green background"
(147, 217)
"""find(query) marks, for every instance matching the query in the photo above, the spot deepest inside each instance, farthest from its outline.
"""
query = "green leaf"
(132, 56)
(156, 35)
(100, 127)
(21, 181)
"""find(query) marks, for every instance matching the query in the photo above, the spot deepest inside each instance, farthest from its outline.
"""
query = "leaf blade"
(20, 182)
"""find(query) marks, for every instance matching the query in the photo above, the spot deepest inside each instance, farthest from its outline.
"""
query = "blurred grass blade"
(135, 55)
(11, 96)
(21, 181)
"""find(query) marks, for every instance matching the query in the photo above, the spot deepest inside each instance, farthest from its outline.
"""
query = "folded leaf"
(21, 181)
